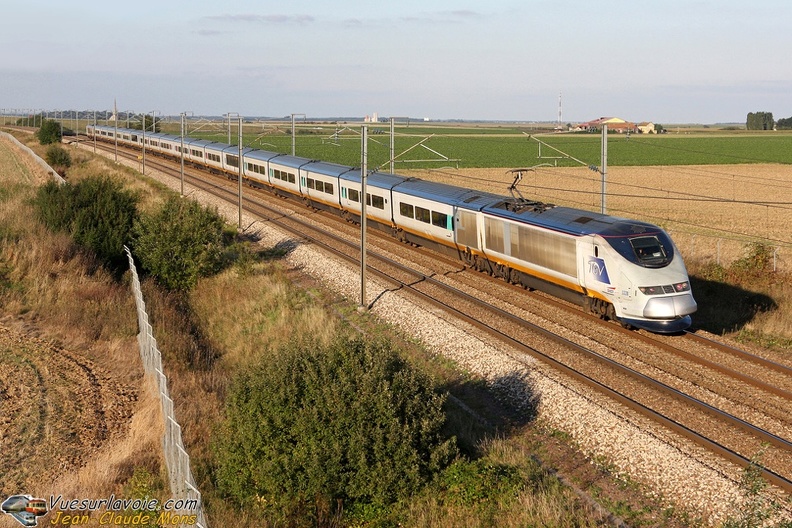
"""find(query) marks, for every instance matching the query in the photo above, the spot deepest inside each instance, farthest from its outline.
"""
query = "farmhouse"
(615, 124)
(647, 128)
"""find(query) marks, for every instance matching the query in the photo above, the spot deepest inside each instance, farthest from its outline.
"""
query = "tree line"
(764, 121)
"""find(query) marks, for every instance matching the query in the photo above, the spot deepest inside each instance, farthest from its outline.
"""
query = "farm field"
(504, 147)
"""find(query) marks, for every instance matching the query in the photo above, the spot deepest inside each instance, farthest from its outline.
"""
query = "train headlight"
(651, 290)
(682, 286)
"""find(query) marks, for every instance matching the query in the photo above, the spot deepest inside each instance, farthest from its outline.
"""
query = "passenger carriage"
(257, 167)
(379, 196)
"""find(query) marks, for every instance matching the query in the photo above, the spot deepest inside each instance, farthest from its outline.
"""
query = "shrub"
(347, 422)
(58, 157)
(53, 205)
(104, 214)
(475, 482)
(97, 212)
(180, 242)
(758, 259)
(49, 132)
(755, 509)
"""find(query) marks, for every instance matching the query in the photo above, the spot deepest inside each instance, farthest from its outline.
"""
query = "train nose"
(670, 307)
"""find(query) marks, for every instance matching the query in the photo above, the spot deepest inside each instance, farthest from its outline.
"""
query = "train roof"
(294, 162)
(381, 180)
(201, 142)
(330, 169)
(450, 194)
(262, 155)
(234, 149)
(568, 220)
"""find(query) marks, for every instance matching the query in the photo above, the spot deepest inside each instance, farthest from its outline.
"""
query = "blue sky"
(669, 61)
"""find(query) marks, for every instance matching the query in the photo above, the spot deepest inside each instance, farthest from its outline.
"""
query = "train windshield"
(650, 251)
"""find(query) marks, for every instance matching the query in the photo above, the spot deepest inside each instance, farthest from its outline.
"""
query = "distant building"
(647, 128)
(615, 124)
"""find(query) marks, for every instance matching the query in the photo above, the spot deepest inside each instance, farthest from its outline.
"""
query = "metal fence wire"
(185, 494)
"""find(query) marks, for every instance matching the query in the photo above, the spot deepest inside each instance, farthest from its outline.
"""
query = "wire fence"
(185, 494)
(708, 249)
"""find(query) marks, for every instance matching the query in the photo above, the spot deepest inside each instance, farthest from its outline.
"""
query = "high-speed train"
(620, 269)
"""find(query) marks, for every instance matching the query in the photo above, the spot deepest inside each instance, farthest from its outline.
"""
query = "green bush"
(756, 508)
(53, 205)
(58, 157)
(97, 212)
(347, 423)
(180, 242)
(49, 132)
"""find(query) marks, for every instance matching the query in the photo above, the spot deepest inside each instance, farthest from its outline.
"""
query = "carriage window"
(328, 188)
(424, 215)
(375, 201)
(406, 210)
(354, 196)
(439, 219)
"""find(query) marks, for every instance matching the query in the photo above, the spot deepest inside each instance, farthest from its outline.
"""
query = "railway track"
(756, 420)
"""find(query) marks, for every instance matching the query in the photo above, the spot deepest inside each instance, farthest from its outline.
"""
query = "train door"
(466, 223)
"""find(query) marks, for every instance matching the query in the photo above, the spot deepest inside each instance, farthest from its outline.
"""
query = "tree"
(152, 123)
(350, 422)
(49, 132)
(180, 242)
(760, 121)
(785, 123)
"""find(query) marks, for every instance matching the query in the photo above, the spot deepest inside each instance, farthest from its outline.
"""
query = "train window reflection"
(648, 249)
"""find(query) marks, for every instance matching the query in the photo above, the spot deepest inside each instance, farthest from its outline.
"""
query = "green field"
(483, 147)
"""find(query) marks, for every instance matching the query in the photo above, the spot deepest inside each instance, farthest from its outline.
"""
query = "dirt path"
(57, 409)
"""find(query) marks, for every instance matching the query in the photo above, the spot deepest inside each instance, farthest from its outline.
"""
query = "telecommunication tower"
(559, 110)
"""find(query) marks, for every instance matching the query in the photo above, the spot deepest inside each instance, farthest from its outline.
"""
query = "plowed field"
(57, 410)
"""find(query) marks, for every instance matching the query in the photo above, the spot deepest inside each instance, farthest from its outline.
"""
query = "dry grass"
(113, 465)
(52, 289)
(245, 316)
